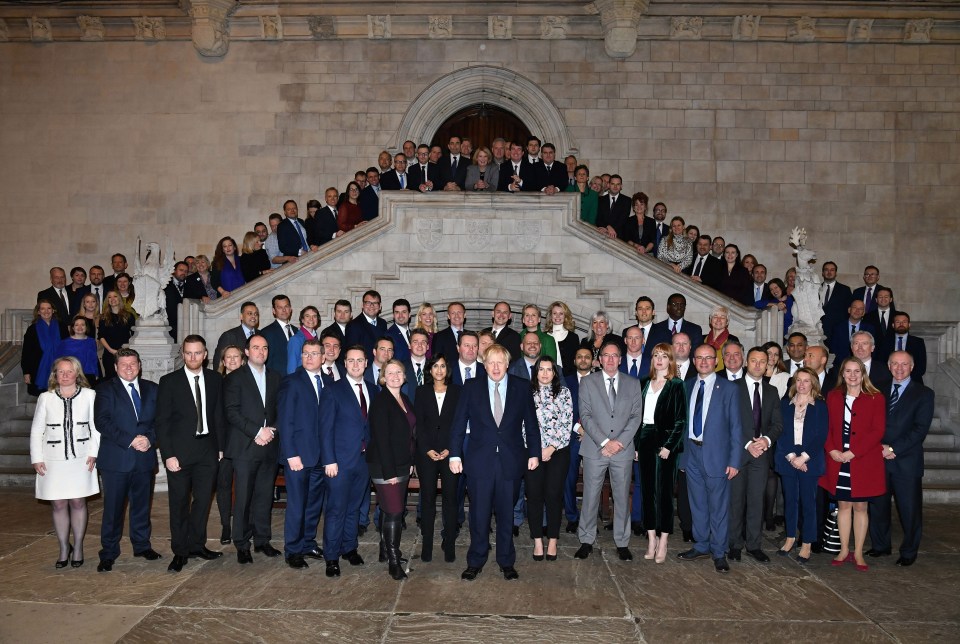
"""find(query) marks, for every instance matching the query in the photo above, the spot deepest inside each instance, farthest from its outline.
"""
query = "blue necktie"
(467, 369)
(894, 397)
(698, 413)
(136, 400)
(303, 240)
(319, 385)
(900, 343)
(633, 369)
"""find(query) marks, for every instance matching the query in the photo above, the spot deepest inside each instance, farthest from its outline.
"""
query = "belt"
(696, 442)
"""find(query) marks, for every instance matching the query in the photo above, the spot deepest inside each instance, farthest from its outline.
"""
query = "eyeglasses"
(311, 354)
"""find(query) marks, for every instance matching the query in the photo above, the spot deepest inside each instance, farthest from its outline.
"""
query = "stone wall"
(102, 142)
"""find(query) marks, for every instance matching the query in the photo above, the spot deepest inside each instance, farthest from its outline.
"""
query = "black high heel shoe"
(76, 563)
(551, 557)
(63, 564)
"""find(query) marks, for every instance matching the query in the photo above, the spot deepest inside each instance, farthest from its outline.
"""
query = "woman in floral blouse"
(545, 484)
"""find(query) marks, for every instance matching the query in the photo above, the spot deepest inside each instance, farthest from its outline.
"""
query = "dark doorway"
(481, 124)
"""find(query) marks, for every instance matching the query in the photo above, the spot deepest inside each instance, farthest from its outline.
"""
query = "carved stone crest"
(210, 30)
(619, 19)
(40, 30)
(91, 28)
(803, 29)
(527, 234)
(321, 27)
(500, 27)
(149, 29)
(429, 233)
(686, 28)
(440, 26)
(272, 27)
(917, 31)
(378, 27)
(478, 233)
(746, 27)
(553, 27)
(859, 30)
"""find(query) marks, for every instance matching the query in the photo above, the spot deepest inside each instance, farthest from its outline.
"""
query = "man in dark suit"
(613, 210)
(291, 233)
(368, 326)
(675, 323)
(416, 364)
(57, 294)
(502, 333)
(835, 298)
(298, 425)
(761, 423)
(344, 433)
(759, 287)
(237, 336)
(396, 179)
(323, 227)
(909, 415)
(370, 196)
(278, 333)
(862, 346)
(452, 166)
(250, 401)
(655, 230)
(705, 268)
(686, 372)
(901, 340)
(445, 341)
(400, 329)
(466, 365)
(842, 334)
(868, 292)
(342, 313)
(173, 294)
(517, 174)
(881, 319)
(425, 176)
(551, 175)
(96, 285)
(124, 412)
(583, 360)
(644, 309)
(504, 444)
(711, 457)
(118, 262)
(190, 435)
(816, 358)
(522, 367)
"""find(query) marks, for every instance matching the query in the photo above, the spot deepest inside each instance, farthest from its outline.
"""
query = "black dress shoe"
(470, 573)
(877, 553)
(354, 558)
(584, 551)
(149, 554)
(721, 565)
(516, 531)
(572, 526)
(225, 536)
(205, 553)
(105, 565)
(906, 561)
(687, 536)
(361, 530)
(244, 556)
(313, 553)
(177, 564)
(608, 526)
(296, 562)
(759, 555)
(624, 554)
(692, 554)
(509, 573)
(333, 567)
(734, 554)
(267, 550)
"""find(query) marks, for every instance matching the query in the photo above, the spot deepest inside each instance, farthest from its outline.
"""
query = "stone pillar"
(620, 19)
(211, 25)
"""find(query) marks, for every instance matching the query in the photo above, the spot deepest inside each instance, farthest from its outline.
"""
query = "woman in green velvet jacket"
(658, 443)
(588, 198)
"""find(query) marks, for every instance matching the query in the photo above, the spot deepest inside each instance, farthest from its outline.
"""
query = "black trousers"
(253, 503)
(428, 472)
(545, 488)
(225, 491)
(746, 503)
(190, 495)
(909, 493)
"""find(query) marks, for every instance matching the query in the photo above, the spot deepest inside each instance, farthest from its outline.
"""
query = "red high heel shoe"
(840, 562)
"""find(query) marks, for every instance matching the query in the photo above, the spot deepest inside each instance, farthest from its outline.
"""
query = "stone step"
(14, 444)
(16, 460)
(18, 476)
(938, 457)
(942, 440)
(15, 426)
(941, 494)
(939, 476)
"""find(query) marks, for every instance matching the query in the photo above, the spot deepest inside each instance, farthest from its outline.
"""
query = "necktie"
(408, 336)
(869, 299)
(363, 401)
(673, 328)
(613, 201)
(467, 369)
(757, 292)
(612, 393)
(319, 384)
(330, 371)
(883, 321)
(453, 164)
(419, 375)
(756, 410)
(516, 169)
(531, 372)
(96, 291)
(64, 300)
(549, 167)
(699, 267)
(797, 365)
(303, 239)
(643, 339)
(698, 413)
(423, 169)
(497, 404)
(659, 234)
(633, 369)
(199, 397)
(136, 399)
(853, 329)
(290, 331)
(894, 397)
(403, 180)
(900, 343)
(826, 299)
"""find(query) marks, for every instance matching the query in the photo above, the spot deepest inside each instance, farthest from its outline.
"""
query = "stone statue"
(151, 276)
(806, 294)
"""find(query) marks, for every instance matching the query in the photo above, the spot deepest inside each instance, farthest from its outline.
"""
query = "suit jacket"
(644, 365)
(883, 331)
(648, 233)
(556, 176)
(669, 415)
(277, 342)
(508, 339)
(390, 180)
(360, 331)
(445, 344)
(235, 336)
(494, 451)
(771, 418)
(321, 227)
(63, 310)
(116, 420)
(491, 176)
(433, 423)
(840, 338)
(288, 238)
(573, 384)
(410, 386)
(722, 429)
(343, 429)
(712, 272)
(917, 349)
(334, 329)
(859, 293)
(867, 429)
(528, 176)
(416, 176)
(369, 203)
(615, 217)
(457, 378)
(814, 436)
(520, 369)
(247, 413)
(835, 311)
(458, 176)
(660, 332)
(298, 419)
(907, 426)
(389, 453)
(600, 422)
(176, 423)
(401, 346)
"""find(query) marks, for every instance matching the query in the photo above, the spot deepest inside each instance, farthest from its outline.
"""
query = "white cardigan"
(56, 438)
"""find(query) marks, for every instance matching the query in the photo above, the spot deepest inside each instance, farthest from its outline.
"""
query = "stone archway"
(490, 85)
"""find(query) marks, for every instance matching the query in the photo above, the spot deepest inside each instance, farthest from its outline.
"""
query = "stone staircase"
(941, 461)
(15, 421)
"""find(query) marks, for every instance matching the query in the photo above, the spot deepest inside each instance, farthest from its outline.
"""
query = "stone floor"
(598, 600)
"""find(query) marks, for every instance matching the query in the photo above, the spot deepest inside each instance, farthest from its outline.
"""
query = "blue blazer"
(401, 350)
(722, 430)
(840, 339)
(117, 422)
(815, 428)
(343, 429)
(457, 379)
(489, 443)
(660, 332)
(277, 342)
(361, 332)
(298, 414)
(520, 369)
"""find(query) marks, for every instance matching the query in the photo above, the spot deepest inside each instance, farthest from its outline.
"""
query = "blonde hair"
(82, 381)
(249, 242)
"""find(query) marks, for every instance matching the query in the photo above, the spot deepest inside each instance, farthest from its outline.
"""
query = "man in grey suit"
(611, 407)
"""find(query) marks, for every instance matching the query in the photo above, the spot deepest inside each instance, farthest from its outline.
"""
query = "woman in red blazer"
(855, 472)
